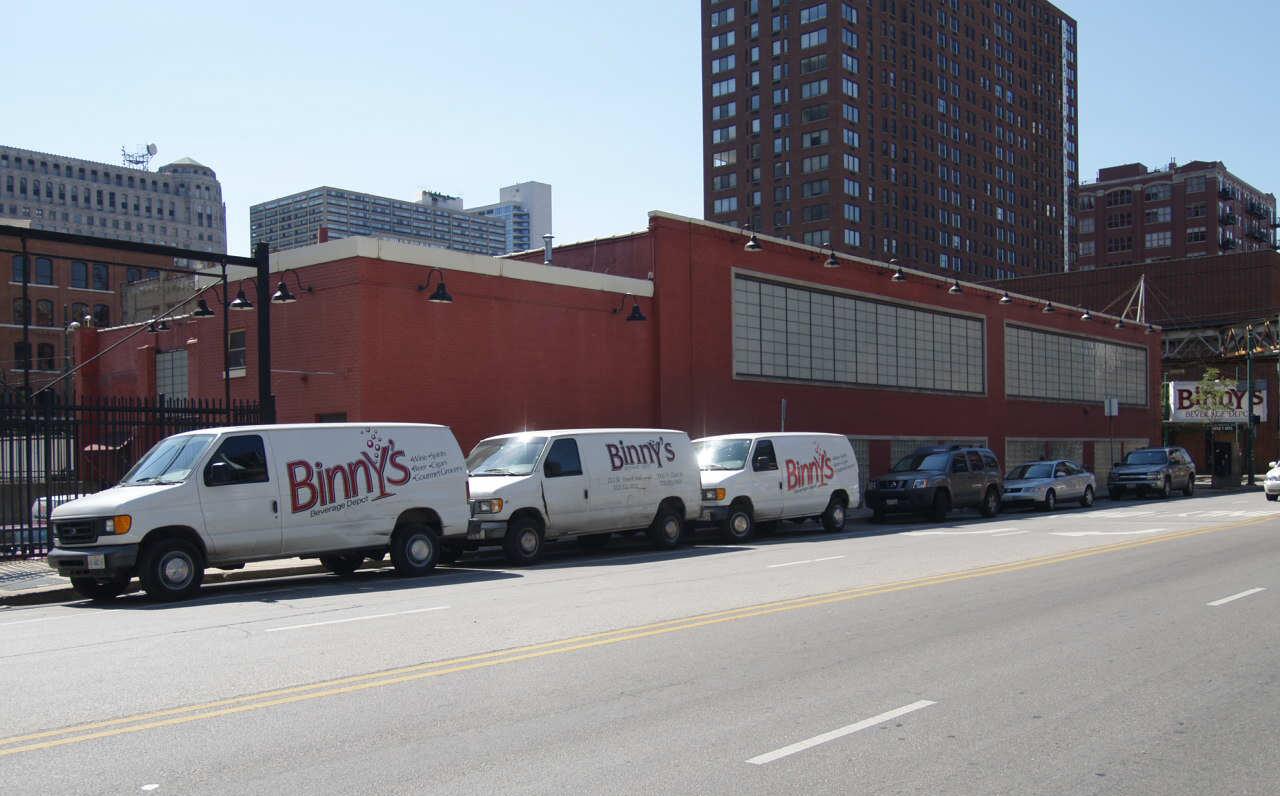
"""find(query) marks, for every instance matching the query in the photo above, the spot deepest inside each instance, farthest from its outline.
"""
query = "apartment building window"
(814, 63)
(1158, 193)
(1196, 210)
(723, 40)
(171, 373)
(1123, 196)
(1086, 225)
(1197, 234)
(44, 313)
(815, 163)
(79, 312)
(236, 351)
(1118, 220)
(1195, 184)
(21, 356)
(814, 113)
(722, 64)
(725, 158)
(723, 135)
(1159, 240)
(1087, 248)
(723, 182)
(1059, 367)
(852, 237)
(814, 88)
(815, 188)
(725, 205)
(1120, 244)
(815, 138)
(45, 357)
(813, 13)
(1086, 202)
(101, 276)
(724, 17)
(718, 89)
(781, 218)
(723, 111)
(1158, 215)
(793, 333)
(817, 237)
(814, 38)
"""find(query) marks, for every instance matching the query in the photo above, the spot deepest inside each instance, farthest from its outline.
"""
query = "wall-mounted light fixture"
(955, 288)
(636, 314)
(898, 274)
(1086, 316)
(1005, 298)
(283, 295)
(831, 262)
(1047, 308)
(441, 294)
(753, 243)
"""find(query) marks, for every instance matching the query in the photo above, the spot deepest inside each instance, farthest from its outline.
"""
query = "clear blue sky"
(604, 104)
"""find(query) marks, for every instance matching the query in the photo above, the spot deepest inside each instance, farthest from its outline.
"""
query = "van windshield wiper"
(496, 471)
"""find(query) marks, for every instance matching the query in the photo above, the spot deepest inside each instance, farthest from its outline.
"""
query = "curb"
(58, 594)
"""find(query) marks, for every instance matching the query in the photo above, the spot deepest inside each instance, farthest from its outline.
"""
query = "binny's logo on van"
(655, 451)
(316, 485)
(818, 471)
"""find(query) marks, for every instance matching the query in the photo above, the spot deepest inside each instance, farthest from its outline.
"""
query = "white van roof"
(581, 432)
(297, 426)
(771, 435)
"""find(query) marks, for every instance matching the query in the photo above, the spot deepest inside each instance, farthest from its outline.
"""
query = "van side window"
(989, 459)
(562, 459)
(764, 458)
(239, 460)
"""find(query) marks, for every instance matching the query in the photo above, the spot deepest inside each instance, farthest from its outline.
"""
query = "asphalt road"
(1131, 648)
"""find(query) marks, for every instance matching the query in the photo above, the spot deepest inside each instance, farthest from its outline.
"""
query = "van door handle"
(584, 494)
(275, 507)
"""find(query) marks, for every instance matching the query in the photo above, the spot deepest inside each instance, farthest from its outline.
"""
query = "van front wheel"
(171, 569)
(739, 526)
(414, 550)
(523, 542)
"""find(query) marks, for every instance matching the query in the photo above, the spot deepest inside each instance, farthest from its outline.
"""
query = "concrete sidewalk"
(32, 582)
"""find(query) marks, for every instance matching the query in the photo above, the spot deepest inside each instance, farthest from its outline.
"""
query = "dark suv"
(1159, 470)
(934, 480)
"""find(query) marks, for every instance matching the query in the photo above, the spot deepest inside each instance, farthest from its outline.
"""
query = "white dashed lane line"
(355, 619)
(1235, 597)
(1108, 533)
(848, 729)
(806, 561)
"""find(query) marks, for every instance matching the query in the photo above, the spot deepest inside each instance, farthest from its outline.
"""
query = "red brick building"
(1133, 214)
(729, 336)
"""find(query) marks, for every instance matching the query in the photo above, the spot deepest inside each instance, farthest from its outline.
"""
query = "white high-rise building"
(526, 208)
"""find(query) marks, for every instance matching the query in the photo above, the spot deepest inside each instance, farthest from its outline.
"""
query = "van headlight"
(489, 506)
(713, 495)
(119, 524)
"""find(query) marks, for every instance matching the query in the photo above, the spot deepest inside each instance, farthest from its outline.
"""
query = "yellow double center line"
(168, 717)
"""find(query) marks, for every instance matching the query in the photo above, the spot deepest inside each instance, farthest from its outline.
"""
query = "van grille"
(78, 531)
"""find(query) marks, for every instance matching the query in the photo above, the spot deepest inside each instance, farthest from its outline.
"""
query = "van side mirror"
(218, 474)
(552, 469)
(764, 463)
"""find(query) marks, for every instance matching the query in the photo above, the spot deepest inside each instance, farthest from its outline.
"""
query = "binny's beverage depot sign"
(1214, 402)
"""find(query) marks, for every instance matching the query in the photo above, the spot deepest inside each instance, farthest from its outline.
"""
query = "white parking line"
(806, 561)
(29, 621)
(849, 729)
(1235, 597)
(1107, 533)
(354, 619)
(1010, 533)
(985, 531)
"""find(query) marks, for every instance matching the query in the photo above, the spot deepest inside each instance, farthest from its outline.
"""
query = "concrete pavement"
(1046, 660)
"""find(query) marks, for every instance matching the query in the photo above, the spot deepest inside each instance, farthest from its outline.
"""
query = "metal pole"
(262, 259)
(26, 320)
(1248, 402)
(226, 346)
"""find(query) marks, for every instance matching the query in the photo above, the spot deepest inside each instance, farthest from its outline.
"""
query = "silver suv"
(1159, 470)
(935, 480)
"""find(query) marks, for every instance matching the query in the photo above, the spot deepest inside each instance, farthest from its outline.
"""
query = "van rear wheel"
(414, 550)
(833, 518)
(667, 528)
(101, 589)
(343, 565)
(171, 569)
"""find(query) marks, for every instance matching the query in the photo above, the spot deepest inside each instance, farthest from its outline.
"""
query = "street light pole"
(267, 401)
(1248, 402)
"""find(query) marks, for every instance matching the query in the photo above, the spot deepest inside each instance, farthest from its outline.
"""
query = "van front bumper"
(714, 513)
(99, 560)
(482, 530)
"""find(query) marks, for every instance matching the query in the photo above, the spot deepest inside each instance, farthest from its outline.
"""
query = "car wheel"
(1050, 501)
(1115, 494)
(523, 541)
(171, 569)
(941, 506)
(342, 564)
(667, 527)
(1273, 498)
(105, 589)
(990, 503)
(833, 518)
(1190, 488)
(1166, 489)
(1087, 499)
(594, 541)
(414, 550)
(740, 525)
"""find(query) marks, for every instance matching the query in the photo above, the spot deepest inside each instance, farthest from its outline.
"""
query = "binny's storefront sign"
(1214, 402)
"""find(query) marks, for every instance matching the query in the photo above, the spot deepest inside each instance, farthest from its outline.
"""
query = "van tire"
(667, 528)
(594, 541)
(835, 515)
(414, 549)
(171, 569)
(990, 503)
(343, 565)
(740, 525)
(522, 543)
(101, 590)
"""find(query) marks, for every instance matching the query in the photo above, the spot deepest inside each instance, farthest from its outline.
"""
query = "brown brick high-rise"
(942, 133)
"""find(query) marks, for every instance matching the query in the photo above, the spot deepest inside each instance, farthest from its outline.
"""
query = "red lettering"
(1184, 397)
(301, 485)
(403, 478)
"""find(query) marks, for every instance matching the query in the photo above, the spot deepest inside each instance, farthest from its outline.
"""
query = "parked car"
(581, 484)
(339, 492)
(751, 478)
(1271, 486)
(1158, 470)
(934, 480)
(43, 506)
(1047, 483)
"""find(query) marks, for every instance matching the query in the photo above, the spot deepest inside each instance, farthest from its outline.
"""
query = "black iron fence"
(52, 451)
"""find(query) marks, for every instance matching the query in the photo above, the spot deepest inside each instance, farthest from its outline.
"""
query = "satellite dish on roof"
(151, 150)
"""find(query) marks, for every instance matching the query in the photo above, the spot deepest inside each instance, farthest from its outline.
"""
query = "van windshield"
(722, 454)
(169, 462)
(506, 456)
(922, 461)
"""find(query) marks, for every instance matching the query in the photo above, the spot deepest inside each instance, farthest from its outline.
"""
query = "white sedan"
(1271, 486)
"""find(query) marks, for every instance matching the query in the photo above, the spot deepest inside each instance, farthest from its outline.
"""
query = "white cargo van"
(753, 478)
(222, 497)
(538, 485)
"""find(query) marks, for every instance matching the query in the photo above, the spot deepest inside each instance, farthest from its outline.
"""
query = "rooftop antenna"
(138, 160)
